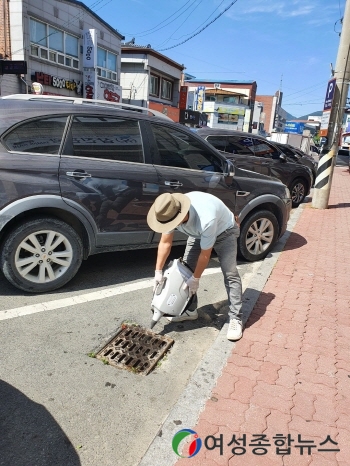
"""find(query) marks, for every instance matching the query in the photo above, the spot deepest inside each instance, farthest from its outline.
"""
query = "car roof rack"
(82, 101)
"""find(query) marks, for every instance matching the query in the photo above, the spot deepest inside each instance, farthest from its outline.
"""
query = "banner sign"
(90, 48)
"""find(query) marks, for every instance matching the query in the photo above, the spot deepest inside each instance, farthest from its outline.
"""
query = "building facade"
(150, 79)
(228, 104)
(274, 115)
(69, 49)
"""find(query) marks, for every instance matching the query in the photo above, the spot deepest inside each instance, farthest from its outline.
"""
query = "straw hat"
(168, 211)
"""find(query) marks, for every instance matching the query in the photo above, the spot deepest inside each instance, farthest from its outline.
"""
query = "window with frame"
(264, 149)
(240, 145)
(167, 89)
(39, 136)
(104, 137)
(182, 150)
(49, 43)
(106, 64)
(154, 85)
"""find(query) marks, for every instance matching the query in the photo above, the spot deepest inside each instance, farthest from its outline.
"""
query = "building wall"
(72, 18)
(136, 67)
(269, 104)
(168, 110)
(5, 43)
(248, 89)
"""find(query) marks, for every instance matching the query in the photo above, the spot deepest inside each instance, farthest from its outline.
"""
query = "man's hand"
(158, 278)
(193, 285)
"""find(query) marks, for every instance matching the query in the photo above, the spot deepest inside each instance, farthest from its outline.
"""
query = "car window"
(40, 136)
(264, 149)
(105, 138)
(219, 142)
(286, 150)
(178, 149)
(239, 145)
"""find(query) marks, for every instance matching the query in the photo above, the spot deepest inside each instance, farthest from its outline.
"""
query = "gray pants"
(226, 248)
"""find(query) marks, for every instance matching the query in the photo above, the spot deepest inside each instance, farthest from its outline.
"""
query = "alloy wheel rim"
(298, 193)
(43, 256)
(259, 236)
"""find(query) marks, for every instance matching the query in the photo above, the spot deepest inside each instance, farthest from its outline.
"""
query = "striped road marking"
(96, 295)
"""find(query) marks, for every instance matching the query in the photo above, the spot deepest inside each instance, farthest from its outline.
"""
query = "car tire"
(297, 191)
(41, 255)
(259, 232)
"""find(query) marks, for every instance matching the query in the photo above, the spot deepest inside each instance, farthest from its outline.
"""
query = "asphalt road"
(58, 406)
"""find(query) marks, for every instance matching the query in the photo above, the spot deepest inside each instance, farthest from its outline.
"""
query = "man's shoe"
(187, 315)
(234, 331)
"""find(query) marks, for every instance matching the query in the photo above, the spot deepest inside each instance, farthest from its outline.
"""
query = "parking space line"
(83, 298)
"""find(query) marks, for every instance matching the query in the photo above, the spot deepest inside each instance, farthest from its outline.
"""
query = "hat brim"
(159, 227)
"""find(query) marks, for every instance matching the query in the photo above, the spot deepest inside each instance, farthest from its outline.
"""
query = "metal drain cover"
(135, 348)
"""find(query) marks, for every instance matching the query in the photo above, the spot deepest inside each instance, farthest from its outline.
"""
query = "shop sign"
(90, 84)
(108, 91)
(90, 48)
(60, 83)
(231, 110)
(183, 97)
(200, 95)
(324, 123)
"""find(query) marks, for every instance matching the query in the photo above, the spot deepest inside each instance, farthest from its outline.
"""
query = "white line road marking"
(94, 296)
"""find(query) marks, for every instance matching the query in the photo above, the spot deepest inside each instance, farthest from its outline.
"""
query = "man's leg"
(226, 249)
(191, 254)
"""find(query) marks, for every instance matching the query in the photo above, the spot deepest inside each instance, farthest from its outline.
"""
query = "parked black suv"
(298, 156)
(255, 153)
(77, 177)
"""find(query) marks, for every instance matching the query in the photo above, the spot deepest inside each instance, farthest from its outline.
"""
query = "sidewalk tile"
(243, 390)
(290, 372)
(277, 423)
(268, 372)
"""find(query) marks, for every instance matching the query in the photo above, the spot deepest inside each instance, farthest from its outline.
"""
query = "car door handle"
(173, 183)
(78, 174)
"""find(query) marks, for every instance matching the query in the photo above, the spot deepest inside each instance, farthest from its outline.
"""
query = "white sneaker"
(187, 315)
(234, 331)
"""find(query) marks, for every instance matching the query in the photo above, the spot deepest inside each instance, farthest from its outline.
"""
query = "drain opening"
(137, 350)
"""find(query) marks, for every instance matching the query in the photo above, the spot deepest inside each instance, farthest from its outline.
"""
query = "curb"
(186, 411)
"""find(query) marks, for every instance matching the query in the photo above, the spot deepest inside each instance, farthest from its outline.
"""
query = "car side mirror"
(283, 157)
(229, 169)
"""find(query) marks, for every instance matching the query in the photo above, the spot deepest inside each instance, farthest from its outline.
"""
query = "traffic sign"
(329, 94)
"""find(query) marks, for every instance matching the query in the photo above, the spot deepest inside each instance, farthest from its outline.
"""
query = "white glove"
(193, 285)
(158, 278)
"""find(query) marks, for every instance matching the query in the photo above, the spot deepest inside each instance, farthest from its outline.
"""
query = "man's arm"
(164, 249)
(202, 262)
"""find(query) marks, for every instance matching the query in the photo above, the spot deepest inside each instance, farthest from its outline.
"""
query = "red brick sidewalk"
(290, 373)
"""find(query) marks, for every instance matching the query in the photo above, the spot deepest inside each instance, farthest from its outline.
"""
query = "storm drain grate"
(135, 349)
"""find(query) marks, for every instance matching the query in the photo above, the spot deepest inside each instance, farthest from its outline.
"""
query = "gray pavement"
(95, 414)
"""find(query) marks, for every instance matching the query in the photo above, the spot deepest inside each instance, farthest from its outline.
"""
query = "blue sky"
(261, 40)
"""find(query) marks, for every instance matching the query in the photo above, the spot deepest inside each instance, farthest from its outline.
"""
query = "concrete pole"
(342, 74)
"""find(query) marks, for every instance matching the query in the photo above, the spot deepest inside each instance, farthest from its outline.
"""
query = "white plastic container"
(169, 297)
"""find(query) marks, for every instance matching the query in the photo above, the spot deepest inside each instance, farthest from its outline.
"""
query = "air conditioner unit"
(217, 85)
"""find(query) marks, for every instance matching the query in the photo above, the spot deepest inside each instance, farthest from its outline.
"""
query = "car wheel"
(41, 255)
(258, 235)
(297, 191)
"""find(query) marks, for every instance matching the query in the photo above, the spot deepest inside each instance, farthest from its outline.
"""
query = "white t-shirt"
(208, 218)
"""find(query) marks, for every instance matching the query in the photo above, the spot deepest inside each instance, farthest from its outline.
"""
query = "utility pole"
(342, 79)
